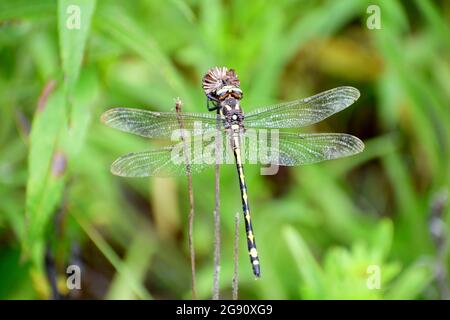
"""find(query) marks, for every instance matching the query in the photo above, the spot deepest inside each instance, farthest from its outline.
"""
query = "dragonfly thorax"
(231, 112)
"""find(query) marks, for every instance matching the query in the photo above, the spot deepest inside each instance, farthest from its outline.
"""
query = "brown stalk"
(217, 215)
(439, 234)
(178, 105)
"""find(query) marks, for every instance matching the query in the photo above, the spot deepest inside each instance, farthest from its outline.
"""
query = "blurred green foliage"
(319, 228)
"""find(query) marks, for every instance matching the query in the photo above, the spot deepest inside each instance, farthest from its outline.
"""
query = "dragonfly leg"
(211, 99)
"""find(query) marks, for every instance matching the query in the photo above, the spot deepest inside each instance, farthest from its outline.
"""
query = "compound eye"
(221, 95)
(237, 93)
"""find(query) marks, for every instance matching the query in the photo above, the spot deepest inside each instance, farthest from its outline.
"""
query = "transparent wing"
(302, 112)
(285, 149)
(158, 163)
(171, 161)
(157, 124)
(291, 149)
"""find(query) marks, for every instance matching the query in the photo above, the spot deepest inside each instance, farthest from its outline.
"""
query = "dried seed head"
(217, 77)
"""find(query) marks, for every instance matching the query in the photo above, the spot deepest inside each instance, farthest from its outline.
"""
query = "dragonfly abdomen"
(251, 244)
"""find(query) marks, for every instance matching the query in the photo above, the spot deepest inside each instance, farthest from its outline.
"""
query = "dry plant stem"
(191, 200)
(439, 234)
(50, 267)
(217, 216)
(236, 257)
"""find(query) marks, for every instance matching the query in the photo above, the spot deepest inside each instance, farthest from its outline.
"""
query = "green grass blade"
(411, 282)
(123, 270)
(437, 21)
(84, 97)
(74, 20)
(46, 172)
(137, 261)
(123, 29)
(25, 9)
(307, 266)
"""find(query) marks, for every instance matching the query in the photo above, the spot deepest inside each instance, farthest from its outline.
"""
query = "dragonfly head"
(220, 84)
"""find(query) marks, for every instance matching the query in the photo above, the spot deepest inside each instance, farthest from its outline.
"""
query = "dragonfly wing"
(164, 162)
(290, 149)
(302, 112)
(157, 124)
(171, 160)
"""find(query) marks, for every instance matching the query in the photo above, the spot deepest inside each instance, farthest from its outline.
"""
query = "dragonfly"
(222, 89)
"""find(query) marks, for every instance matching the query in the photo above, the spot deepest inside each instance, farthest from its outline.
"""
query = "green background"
(319, 228)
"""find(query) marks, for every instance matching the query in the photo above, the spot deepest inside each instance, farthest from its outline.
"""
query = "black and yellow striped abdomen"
(251, 244)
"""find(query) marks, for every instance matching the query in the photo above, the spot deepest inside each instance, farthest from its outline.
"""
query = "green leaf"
(85, 94)
(307, 266)
(382, 236)
(74, 20)
(25, 9)
(319, 22)
(436, 20)
(44, 52)
(411, 282)
(133, 37)
(137, 261)
(15, 284)
(122, 268)
(46, 170)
